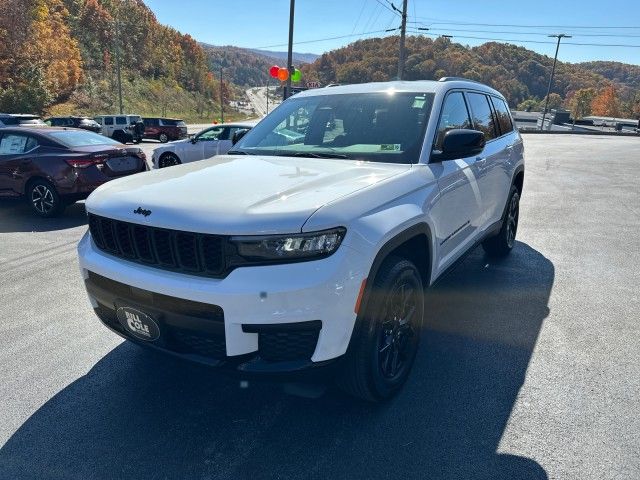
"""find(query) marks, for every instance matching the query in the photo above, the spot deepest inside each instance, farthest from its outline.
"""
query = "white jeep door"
(490, 167)
(455, 214)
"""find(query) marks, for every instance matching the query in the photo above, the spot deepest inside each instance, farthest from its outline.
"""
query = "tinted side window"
(503, 115)
(121, 120)
(482, 116)
(454, 115)
(108, 120)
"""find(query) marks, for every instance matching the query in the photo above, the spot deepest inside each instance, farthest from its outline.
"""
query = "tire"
(387, 334)
(168, 159)
(163, 137)
(44, 199)
(502, 243)
(119, 136)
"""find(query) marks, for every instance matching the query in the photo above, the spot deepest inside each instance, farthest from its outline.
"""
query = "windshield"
(80, 138)
(379, 127)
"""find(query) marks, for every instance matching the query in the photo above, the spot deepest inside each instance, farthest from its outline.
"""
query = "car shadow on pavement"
(16, 216)
(137, 414)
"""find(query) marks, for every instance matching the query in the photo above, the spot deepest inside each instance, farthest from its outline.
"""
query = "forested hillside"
(246, 67)
(59, 56)
(618, 72)
(520, 74)
(241, 66)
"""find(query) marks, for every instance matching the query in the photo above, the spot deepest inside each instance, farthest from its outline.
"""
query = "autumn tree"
(529, 104)
(555, 101)
(580, 103)
(39, 60)
(606, 103)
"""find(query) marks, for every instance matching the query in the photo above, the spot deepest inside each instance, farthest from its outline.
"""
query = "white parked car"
(307, 249)
(212, 141)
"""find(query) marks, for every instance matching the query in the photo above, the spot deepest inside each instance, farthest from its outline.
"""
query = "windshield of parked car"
(80, 138)
(379, 127)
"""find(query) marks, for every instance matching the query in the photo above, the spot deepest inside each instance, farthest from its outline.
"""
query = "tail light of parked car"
(85, 162)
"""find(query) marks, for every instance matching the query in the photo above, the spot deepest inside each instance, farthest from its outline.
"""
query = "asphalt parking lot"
(529, 367)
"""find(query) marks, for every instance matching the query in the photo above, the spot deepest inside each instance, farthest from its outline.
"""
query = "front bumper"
(258, 320)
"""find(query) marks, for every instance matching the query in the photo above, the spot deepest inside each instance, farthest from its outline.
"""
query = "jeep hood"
(236, 194)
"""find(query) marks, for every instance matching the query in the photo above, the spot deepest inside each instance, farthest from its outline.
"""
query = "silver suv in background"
(19, 120)
(122, 128)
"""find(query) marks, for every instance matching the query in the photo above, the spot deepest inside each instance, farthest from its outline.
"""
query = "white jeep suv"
(308, 247)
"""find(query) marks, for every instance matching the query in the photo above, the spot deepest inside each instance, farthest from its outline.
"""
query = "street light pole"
(559, 36)
(287, 90)
(118, 73)
(221, 98)
(403, 32)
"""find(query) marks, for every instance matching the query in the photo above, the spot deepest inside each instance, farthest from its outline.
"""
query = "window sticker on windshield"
(390, 147)
(12, 144)
(418, 102)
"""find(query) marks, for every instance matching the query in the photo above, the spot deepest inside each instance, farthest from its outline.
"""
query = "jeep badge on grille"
(142, 211)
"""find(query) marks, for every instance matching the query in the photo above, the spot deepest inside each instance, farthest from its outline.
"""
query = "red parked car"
(164, 129)
(54, 167)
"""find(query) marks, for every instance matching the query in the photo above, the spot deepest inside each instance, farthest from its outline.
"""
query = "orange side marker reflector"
(360, 294)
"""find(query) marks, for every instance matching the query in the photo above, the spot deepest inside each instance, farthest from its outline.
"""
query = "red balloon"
(273, 71)
(283, 74)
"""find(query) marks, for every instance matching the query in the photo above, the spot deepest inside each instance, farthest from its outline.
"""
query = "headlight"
(292, 247)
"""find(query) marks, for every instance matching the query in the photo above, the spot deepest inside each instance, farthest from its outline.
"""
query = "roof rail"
(454, 79)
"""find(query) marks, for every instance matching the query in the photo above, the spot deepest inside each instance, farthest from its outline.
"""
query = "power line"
(364, 4)
(393, 9)
(361, 34)
(528, 26)
(526, 33)
(534, 41)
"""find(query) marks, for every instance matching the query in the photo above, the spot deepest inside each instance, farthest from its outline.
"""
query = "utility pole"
(403, 32)
(119, 75)
(221, 98)
(268, 95)
(287, 90)
(559, 36)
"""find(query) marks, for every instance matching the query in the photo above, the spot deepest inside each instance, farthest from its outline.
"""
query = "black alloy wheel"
(168, 160)
(398, 335)
(386, 337)
(501, 244)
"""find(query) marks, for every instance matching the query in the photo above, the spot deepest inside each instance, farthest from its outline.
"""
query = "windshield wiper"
(313, 155)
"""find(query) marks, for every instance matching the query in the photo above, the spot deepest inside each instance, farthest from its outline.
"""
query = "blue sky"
(264, 23)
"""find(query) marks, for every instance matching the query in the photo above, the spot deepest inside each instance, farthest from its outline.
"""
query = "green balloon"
(297, 75)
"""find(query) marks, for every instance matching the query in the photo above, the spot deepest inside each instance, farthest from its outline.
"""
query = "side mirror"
(238, 135)
(460, 143)
(194, 139)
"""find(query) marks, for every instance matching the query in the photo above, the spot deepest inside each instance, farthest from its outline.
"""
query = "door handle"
(481, 159)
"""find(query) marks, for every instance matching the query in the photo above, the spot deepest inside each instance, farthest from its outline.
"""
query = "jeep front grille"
(188, 252)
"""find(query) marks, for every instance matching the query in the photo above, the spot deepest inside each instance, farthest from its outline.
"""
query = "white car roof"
(418, 86)
(243, 124)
